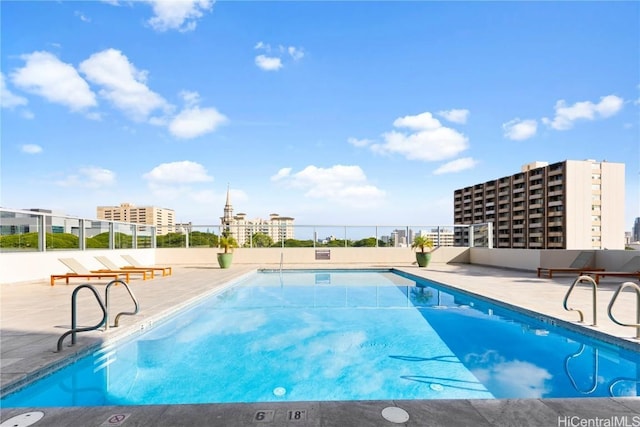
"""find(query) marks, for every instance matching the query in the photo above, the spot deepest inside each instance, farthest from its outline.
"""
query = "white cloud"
(518, 130)
(434, 145)
(181, 15)
(178, 173)
(586, 110)
(273, 60)
(268, 63)
(456, 166)
(190, 98)
(295, 52)
(282, 174)
(89, 177)
(184, 183)
(82, 16)
(196, 121)
(31, 149)
(122, 83)
(7, 98)
(609, 105)
(359, 142)
(342, 184)
(455, 115)
(429, 141)
(420, 122)
(45, 75)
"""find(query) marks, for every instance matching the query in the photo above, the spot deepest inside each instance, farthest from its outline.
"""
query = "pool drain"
(395, 414)
(23, 420)
(279, 391)
(436, 387)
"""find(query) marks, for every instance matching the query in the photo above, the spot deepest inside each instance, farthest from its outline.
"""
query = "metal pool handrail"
(615, 297)
(106, 303)
(104, 306)
(594, 297)
(74, 329)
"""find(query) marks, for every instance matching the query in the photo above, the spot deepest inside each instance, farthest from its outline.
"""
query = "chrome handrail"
(594, 297)
(615, 297)
(74, 330)
(123, 313)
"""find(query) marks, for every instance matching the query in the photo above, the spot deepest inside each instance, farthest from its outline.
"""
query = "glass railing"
(24, 231)
(43, 231)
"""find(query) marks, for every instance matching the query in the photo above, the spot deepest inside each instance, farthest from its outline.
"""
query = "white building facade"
(278, 228)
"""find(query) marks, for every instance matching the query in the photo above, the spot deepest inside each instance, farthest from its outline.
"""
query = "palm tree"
(422, 257)
(422, 242)
(228, 242)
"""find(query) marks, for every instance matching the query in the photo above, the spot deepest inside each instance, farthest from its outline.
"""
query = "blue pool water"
(340, 335)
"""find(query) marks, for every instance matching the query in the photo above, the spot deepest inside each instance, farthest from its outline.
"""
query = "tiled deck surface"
(34, 315)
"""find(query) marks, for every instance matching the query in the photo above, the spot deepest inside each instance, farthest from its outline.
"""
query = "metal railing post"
(42, 234)
(82, 235)
(376, 236)
(490, 235)
(154, 237)
(112, 237)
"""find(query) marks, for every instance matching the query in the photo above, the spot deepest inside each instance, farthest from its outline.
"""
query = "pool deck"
(34, 315)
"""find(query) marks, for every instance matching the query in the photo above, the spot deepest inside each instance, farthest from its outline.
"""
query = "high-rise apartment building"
(566, 205)
(163, 219)
(635, 232)
(279, 228)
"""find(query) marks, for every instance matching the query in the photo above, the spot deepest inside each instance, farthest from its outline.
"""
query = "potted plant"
(227, 242)
(422, 257)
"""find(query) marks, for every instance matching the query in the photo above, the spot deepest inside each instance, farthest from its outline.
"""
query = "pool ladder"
(594, 287)
(594, 296)
(615, 297)
(104, 307)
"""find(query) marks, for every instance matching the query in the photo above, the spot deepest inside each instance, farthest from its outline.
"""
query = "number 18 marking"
(299, 415)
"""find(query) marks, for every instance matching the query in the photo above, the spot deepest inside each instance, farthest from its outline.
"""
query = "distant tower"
(227, 219)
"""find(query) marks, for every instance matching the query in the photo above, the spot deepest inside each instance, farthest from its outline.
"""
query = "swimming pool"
(340, 335)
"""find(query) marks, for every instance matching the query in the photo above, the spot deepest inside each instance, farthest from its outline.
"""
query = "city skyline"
(328, 112)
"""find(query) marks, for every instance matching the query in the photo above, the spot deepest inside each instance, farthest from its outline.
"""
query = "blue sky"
(329, 112)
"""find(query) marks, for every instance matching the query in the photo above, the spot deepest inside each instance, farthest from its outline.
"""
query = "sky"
(333, 113)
